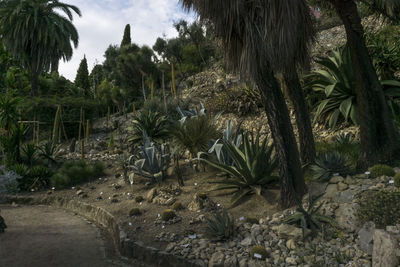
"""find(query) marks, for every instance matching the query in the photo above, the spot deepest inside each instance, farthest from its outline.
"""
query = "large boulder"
(346, 216)
(365, 237)
(385, 248)
(217, 260)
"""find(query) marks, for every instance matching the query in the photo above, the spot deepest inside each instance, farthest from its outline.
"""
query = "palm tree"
(380, 140)
(37, 34)
(261, 37)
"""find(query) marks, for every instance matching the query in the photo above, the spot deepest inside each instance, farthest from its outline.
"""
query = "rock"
(342, 186)
(291, 244)
(345, 196)
(170, 247)
(151, 194)
(248, 241)
(231, 261)
(346, 216)
(317, 189)
(336, 180)
(217, 260)
(384, 251)
(79, 192)
(170, 201)
(288, 231)
(291, 261)
(365, 237)
(196, 204)
(331, 191)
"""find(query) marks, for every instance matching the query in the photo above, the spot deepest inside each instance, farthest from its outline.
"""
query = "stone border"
(124, 246)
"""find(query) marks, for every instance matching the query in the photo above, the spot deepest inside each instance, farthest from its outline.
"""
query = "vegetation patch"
(380, 170)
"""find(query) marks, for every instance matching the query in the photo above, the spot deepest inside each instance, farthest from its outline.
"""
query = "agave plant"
(309, 218)
(229, 136)
(345, 138)
(150, 160)
(334, 87)
(185, 114)
(221, 227)
(153, 123)
(328, 164)
(252, 168)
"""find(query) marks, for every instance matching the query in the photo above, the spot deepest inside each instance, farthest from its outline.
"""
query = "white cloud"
(103, 22)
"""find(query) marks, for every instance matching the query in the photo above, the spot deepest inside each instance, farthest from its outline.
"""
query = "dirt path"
(41, 236)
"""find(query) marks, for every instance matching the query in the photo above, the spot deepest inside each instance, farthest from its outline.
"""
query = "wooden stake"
(87, 131)
(82, 149)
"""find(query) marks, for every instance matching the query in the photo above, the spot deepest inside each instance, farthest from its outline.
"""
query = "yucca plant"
(49, 152)
(328, 164)
(153, 123)
(194, 134)
(221, 227)
(229, 136)
(150, 160)
(252, 169)
(309, 218)
(29, 154)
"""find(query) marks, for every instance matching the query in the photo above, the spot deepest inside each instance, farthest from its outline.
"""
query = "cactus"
(167, 215)
(258, 252)
(56, 125)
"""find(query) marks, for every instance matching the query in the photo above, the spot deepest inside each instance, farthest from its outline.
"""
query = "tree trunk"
(34, 83)
(292, 179)
(303, 122)
(378, 134)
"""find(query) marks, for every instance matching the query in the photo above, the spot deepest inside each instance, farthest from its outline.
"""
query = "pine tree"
(126, 40)
(82, 76)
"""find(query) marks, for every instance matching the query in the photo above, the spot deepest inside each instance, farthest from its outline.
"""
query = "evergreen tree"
(82, 76)
(126, 40)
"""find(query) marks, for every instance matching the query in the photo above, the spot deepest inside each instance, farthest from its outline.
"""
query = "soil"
(118, 198)
(45, 236)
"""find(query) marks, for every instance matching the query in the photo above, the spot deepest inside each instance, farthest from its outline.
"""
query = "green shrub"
(328, 164)
(381, 207)
(167, 215)
(75, 172)
(380, 170)
(397, 180)
(257, 252)
(252, 170)
(221, 227)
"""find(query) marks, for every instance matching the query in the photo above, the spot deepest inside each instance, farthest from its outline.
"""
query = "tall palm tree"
(262, 37)
(380, 140)
(38, 34)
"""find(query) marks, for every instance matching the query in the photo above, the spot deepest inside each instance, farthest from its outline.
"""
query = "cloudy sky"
(103, 22)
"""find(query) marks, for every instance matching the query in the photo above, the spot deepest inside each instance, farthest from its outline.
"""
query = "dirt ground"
(39, 236)
(110, 192)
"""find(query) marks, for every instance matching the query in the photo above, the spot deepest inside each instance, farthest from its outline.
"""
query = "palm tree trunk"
(292, 180)
(34, 83)
(303, 122)
(379, 137)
